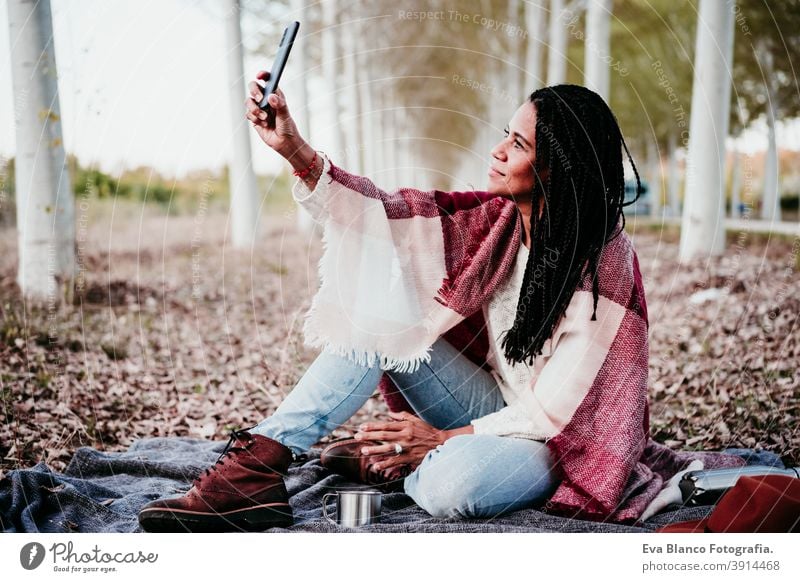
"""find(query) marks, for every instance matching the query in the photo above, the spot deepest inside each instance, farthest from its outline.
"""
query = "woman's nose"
(497, 151)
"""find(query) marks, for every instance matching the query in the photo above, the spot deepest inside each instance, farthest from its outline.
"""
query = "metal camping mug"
(354, 508)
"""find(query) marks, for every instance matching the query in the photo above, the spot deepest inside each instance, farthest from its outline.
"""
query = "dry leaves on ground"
(174, 333)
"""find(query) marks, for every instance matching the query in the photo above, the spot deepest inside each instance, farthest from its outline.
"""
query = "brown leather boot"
(243, 491)
(344, 457)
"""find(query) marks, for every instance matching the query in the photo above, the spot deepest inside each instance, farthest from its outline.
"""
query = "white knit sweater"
(540, 400)
(512, 380)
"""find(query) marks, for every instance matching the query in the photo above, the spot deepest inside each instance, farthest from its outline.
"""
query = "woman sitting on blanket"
(507, 330)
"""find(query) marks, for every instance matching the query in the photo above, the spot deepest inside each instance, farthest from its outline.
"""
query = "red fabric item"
(760, 504)
(610, 467)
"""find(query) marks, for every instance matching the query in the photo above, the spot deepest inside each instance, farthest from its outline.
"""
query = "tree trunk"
(244, 192)
(302, 115)
(380, 137)
(771, 206)
(352, 160)
(736, 185)
(471, 171)
(331, 54)
(389, 140)
(409, 174)
(516, 57)
(367, 137)
(598, 33)
(702, 226)
(655, 176)
(557, 49)
(536, 25)
(673, 179)
(45, 203)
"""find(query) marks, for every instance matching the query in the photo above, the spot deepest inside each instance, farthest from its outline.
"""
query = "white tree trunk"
(377, 122)
(352, 121)
(367, 126)
(656, 175)
(45, 205)
(302, 113)
(517, 57)
(331, 54)
(598, 33)
(557, 49)
(771, 201)
(490, 132)
(702, 226)
(771, 208)
(389, 146)
(409, 174)
(244, 192)
(389, 132)
(536, 25)
(673, 179)
(736, 185)
(471, 172)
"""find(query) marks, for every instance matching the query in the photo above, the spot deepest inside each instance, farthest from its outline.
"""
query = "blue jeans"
(469, 475)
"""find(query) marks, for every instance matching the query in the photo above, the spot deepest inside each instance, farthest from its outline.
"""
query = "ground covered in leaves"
(174, 333)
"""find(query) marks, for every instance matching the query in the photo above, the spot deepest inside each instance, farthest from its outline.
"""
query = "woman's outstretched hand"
(415, 435)
(283, 136)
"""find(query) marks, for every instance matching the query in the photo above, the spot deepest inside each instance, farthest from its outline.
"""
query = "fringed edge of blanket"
(363, 356)
(360, 353)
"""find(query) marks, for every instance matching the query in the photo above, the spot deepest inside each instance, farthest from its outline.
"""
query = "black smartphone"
(287, 40)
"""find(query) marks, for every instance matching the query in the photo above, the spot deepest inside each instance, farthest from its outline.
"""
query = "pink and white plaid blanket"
(401, 269)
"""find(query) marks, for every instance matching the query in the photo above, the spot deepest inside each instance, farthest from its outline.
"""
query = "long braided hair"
(580, 179)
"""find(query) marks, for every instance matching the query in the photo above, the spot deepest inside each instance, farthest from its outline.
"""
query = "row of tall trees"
(418, 94)
(454, 75)
(639, 55)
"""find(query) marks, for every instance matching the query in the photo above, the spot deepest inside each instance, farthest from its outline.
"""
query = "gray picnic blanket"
(102, 492)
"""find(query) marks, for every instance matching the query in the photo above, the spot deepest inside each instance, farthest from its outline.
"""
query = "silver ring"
(398, 448)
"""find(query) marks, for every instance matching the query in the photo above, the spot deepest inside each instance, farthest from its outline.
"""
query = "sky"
(143, 82)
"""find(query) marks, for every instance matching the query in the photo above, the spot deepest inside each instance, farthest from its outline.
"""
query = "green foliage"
(97, 184)
(655, 43)
(766, 51)
(7, 193)
(652, 99)
(12, 323)
(144, 185)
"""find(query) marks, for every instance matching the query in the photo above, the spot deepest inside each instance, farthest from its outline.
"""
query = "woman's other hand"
(415, 435)
(283, 136)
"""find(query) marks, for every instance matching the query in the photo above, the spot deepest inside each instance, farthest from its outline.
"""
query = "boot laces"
(228, 452)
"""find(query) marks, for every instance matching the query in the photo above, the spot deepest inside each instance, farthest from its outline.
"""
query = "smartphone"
(287, 40)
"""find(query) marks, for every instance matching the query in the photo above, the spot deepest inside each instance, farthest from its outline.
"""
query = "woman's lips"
(493, 172)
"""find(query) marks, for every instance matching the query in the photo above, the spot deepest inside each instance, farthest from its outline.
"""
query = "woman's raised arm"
(280, 133)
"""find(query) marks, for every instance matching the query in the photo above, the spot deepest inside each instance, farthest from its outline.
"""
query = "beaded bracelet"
(303, 173)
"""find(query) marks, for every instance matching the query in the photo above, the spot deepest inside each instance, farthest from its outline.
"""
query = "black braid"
(578, 152)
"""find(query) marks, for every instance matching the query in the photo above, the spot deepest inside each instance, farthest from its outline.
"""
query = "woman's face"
(511, 169)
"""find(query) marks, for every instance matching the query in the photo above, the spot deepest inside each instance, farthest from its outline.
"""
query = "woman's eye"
(516, 143)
